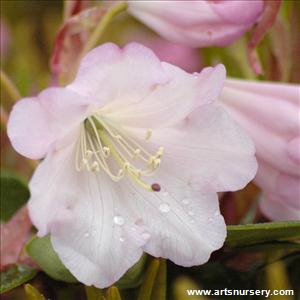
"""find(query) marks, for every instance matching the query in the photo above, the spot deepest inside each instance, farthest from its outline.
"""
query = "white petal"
(168, 104)
(92, 230)
(185, 226)
(208, 150)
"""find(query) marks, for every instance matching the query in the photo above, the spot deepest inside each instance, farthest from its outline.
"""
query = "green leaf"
(41, 251)
(133, 277)
(154, 284)
(250, 234)
(16, 276)
(14, 194)
(113, 294)
(32, 293)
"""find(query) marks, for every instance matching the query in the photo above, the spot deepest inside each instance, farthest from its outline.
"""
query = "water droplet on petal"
(186, 201)
(119, 220)
(122, 239)
(165, 194)
(195, 74)
(190, 213)
(86, 234)
(192, 221)
(164, 208)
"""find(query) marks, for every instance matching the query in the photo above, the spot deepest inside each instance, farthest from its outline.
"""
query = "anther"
(95, 167)
(84, 161)
(156, 163)
(155, 187)
(136, 153)
(106, 151)
(88, 154)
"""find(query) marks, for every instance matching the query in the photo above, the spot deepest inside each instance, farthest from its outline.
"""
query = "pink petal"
(39, 123)
(198, 23)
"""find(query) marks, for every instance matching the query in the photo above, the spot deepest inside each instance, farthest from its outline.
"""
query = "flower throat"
(100, 143)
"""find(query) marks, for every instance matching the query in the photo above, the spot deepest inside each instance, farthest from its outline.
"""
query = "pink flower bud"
(270, 112)
(198, 23)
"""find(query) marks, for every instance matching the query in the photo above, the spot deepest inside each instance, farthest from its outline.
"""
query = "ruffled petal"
(37, 124)
(183, 225)
(92, 230)
(118, 76)
(208, 150)
(163, 107)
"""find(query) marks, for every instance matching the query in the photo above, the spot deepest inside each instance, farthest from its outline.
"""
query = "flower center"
(104, 146)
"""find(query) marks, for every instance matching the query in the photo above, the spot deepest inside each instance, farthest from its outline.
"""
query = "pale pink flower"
(198, 23)
(270, 112)
(188, 59)
(103, 138)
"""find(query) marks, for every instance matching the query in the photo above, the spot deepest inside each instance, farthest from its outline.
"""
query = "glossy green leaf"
(154, 283)
(250, 234)
(15, 276)
(32, 293)
(113, 294)
(133, 277)
(41, 251)
(14, 194)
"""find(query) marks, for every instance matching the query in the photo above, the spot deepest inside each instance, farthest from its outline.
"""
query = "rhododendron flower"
(135, 151)
(270, 112)
(198, 23)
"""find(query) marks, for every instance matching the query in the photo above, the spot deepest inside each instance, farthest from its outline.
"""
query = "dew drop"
(86, 234)
(192, 221)
(164, 208)
(119, 220)
(190, 213)
(165, 194)
(195, 74)
(186, 201)
(122, 239)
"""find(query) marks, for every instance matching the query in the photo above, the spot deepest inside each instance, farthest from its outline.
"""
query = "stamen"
(100, 140)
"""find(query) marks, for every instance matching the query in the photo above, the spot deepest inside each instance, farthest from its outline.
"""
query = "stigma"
(105, 146)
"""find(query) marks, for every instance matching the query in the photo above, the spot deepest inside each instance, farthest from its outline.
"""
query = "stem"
(92, 42)
(9, 87)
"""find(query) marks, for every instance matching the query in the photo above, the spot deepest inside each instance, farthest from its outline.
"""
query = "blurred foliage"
(265, 264)
(14, 194)
(15, 276)
(32, 293)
